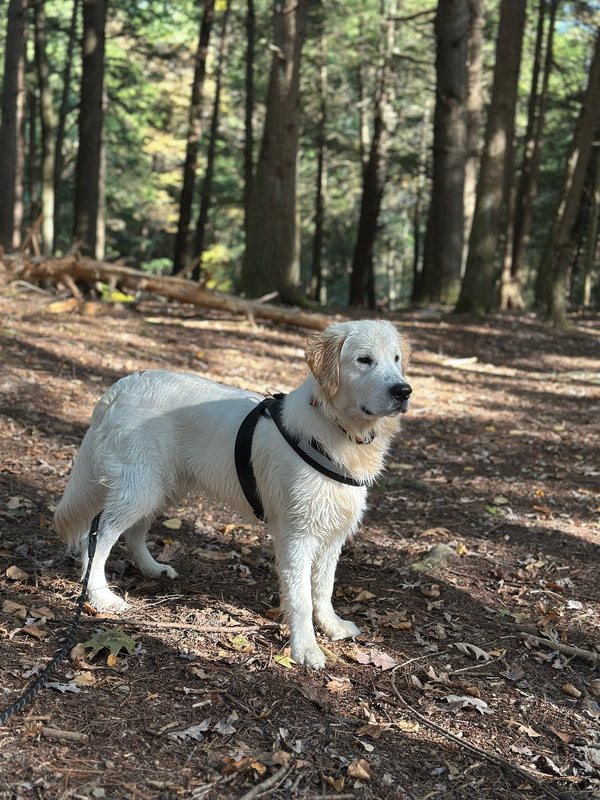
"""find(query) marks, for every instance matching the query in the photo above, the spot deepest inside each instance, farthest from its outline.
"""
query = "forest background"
(360, 153)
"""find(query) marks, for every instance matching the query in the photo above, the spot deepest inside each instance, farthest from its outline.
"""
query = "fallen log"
(174, 288)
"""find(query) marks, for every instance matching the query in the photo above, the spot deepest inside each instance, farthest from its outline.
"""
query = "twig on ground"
(185, 626)
(566, 649)
(65, 736)
(495, 759)
(267, 785)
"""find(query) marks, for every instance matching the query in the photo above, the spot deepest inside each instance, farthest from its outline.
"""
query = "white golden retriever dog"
(157, 435)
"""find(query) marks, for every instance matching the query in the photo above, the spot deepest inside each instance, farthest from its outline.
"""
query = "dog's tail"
(85, 491)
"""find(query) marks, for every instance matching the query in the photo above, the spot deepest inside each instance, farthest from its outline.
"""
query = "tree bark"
(443, 254)
(11, 127)
(592, 234)
(47, 117)
(511, 283)
(474, 106)
(556, 254)
(362, 277)
(477, 293)
(417, 215)
(62, 118)
(205, 194)
(91, 124)
(271, 258)
(316, 277)
(193, 141)
(248, 113)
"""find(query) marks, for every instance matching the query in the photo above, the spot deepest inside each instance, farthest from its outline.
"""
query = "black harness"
(310, 451)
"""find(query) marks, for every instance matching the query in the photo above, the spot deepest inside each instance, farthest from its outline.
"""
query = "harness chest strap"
(310, 452)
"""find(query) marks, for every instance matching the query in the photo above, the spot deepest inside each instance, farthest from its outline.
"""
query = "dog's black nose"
(401, 391)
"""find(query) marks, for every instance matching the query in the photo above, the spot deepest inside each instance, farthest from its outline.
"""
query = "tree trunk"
(362, 278)
(11, 127)
(271, 258)
(91, 124)
(556, 255)
(477, 291)
(442, 258)
(205, 194)
(474, 106)
(592, 234)
(316, 277)
(47, 117)
(248, 112)
(193, 141)
(418, 207)
(511, 284)
(62, 118)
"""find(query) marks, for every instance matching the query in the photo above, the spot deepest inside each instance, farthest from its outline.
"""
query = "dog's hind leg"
(100, 596)
(322, 579)
(135, 537)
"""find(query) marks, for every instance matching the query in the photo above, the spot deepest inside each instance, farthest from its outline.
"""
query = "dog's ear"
(323, 357)
(404, 352)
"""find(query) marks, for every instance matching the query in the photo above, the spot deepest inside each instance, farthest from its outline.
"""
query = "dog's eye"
(365, 360)
(397, 359)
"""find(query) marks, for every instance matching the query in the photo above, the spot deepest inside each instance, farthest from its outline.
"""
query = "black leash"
(42, 680)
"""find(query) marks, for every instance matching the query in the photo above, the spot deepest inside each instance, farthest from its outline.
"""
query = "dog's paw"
(105, 600)
(311, 657)
(340, 629)
(157, 570)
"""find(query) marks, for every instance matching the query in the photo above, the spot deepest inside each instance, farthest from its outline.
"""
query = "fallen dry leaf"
(339, 685)
(360, 769)
(16, 574)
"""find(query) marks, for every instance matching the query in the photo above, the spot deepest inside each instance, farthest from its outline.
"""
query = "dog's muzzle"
(401, 393)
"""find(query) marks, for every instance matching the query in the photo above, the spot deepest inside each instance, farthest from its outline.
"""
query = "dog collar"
(356, 439)
(310, 452)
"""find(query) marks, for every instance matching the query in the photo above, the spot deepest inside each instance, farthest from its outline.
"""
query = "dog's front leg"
(294, 555)
(322, 579)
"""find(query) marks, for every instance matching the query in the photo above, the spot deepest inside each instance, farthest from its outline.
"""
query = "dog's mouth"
(398, 408)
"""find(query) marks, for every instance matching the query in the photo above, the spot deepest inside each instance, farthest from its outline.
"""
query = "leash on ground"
(42, 680)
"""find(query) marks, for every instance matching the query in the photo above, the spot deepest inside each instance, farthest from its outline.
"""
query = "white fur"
(158, 435)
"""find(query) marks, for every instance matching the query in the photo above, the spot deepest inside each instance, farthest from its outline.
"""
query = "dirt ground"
(474, 580)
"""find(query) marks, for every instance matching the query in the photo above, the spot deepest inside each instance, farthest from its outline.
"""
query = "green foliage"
(149, 68)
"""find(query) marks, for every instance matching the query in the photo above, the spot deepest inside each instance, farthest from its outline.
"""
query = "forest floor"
(474, 579)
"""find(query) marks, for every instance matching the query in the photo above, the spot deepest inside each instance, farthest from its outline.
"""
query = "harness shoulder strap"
(243, 457)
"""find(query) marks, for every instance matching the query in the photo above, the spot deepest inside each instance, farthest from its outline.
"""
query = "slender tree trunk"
(477, 291)
(511, 284)
(362, 278)
(271, 258)
(316, 278)
(31, 184)
(445, 226)
(205, 194)
(62, 118)
(249, 111)
(91, 124)
(556, 254)
(193, 141)
(47, 116)
(11, 127)
(474, 106)
(418, 207)
(592, 234)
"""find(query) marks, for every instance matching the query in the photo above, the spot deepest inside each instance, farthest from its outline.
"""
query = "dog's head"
(359, 367)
